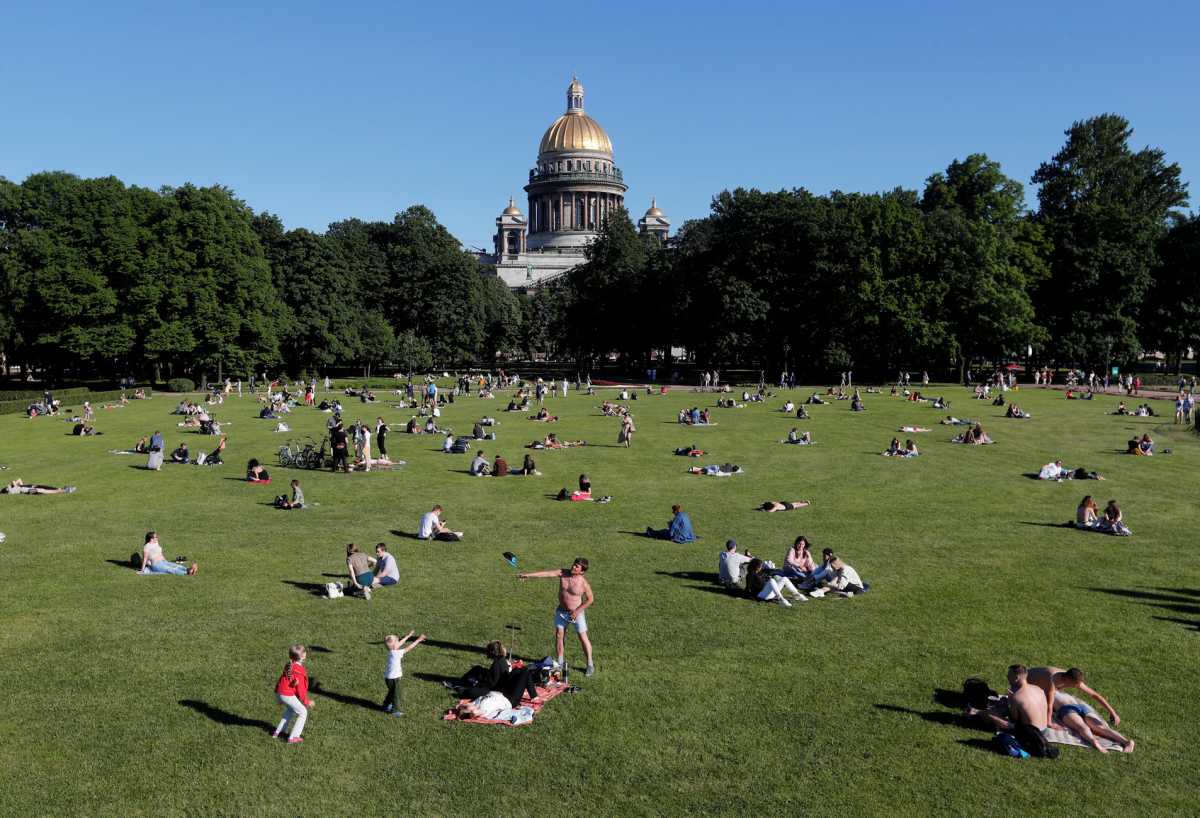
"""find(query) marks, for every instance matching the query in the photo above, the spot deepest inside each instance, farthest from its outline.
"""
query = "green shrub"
(180, 385)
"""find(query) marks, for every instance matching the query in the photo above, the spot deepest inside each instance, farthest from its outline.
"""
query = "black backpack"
(977, 692)
(1034, 742)
(135, 560)
(563, 494)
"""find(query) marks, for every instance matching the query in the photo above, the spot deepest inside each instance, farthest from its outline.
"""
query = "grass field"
(128, 695)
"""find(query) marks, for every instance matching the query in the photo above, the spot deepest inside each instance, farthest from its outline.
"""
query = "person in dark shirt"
(338, 438)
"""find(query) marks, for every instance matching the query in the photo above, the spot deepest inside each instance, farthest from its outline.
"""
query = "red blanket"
(545, 694)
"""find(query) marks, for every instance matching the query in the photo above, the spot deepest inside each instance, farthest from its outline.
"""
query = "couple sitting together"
(894, 449)
(1017, 412)
(1143, 447)
(499, 467)
(371, 572)
(1089, 518)
(975, 436)
(766, 583)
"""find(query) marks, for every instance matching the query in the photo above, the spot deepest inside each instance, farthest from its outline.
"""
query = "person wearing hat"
(731, 565)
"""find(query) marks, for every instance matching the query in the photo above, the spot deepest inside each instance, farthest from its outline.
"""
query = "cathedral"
(572, 189)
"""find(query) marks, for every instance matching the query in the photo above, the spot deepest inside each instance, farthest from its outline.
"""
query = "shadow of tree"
(314, 588)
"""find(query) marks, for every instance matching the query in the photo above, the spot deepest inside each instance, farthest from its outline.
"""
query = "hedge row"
(69, 398)
(61, 394)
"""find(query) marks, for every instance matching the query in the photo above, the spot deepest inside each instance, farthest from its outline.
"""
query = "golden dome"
(576, 87)
(654, 212)
(575, 131)
(512, 209)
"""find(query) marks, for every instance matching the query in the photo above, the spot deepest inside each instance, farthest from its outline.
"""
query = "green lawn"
(131, 695)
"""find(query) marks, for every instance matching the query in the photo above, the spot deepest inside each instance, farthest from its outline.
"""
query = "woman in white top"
(153, 561)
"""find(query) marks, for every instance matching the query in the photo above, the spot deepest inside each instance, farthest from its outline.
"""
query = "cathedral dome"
(512, 209)
(575, 130)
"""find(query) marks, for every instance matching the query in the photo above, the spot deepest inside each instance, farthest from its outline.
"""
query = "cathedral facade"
(573, 188)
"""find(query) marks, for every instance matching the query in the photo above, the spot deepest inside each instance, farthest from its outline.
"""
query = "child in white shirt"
(394, 670)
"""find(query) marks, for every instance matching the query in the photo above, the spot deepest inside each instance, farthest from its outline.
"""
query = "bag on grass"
(563, 494)
(135, 560)
(1034, 742)
(977, 692)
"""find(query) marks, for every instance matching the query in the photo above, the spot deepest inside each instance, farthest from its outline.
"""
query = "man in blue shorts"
(574, 598)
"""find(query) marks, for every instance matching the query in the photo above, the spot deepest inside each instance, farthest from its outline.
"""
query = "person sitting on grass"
(1146, 445)
(771, 506)
(856, 404)
(1113, 521)
(761, 586)
(142, 446)
(528, 467)
(181, 454)
(893, 449)
(432, 527)
(385, 569)
(798, 562)
(1016, 412)
(584, 492)
(431, 427)
(975, 436)
(678, 530)
(837, 576)
(910, 449)
(802, 413)
(788, 407)
(20, 487)
(297, 500)
(544, 416)
(1122, 409)
(358, 565)
(1026, 704)
(255, 473)
(731, 566)
(500, 467)
(480, 466)
(799, 438)
(1087, 516)
(153, 561)
(84, 430)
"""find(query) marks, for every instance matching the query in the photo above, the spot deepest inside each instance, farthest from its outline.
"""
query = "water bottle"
(566, 672)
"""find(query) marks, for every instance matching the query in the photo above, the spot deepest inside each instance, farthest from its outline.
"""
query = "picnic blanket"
(1069, 737)
(545, 694)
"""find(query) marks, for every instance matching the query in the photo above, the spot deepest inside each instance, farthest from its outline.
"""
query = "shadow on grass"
(1048, 525)
(346, 698)
(934, 716)
(412, 535)
(314, 588)
(1176, 600)
(1190, 623)
(438, 679)
(444, 645)
(696, 575)
(716, 589)
(224, 717)
(121, 564)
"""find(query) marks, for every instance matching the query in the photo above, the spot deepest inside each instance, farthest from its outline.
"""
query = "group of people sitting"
(1016, 412)
(975, 436)
(894, 449)
(499, 467)
(543, 415)
(1142, 447)
(695, 417)
(1089, 518)
(1143, 410)
(795, 436)
(799, 577)
(496, 692)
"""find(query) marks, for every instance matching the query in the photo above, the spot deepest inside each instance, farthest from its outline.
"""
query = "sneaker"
(800, 598)
(296, 740)
(275, 734)
(784, 602)
(367, 594)
(68, 489)
(590, 670)
(388, 709)
(397, 713)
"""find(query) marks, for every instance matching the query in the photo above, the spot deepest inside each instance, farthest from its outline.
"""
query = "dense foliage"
(107, 279)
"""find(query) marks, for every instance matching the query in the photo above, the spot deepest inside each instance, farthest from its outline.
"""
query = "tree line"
(101, 278)
(1105, 268)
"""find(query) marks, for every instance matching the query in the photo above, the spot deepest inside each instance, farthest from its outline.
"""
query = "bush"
(180, 385)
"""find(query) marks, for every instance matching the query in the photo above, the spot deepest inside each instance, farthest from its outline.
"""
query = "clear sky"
(324, 111)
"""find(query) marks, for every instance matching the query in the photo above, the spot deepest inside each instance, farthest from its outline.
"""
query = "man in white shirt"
(480, 466)
(1053, 471)
(432, 527)
(730, 564)
(386, 570)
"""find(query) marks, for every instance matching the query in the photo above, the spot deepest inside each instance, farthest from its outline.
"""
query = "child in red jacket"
(292, 692)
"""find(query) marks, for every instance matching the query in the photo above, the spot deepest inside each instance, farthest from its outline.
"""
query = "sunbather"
(1087, 516)
(771, 506)
(1053, 680)
(18, 486)
(723, 470)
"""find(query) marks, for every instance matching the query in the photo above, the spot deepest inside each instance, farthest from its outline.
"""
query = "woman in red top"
(292, 692)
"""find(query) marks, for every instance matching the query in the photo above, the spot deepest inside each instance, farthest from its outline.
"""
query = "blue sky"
(323, 111)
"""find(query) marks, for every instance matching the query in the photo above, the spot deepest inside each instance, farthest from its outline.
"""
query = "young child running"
(394, 670)
(292, 692)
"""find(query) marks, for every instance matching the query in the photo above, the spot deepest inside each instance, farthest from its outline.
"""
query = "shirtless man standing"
(574, 597)
(1026, 703)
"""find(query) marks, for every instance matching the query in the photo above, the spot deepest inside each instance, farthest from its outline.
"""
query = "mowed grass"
(132, 695)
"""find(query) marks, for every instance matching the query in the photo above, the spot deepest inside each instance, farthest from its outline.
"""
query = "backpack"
(135, 560)
(281, 501)
(1034, 742)
(977, 692)
(563, 494)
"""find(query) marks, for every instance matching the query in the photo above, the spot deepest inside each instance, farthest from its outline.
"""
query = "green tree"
(1104, 207)
(1171, 316)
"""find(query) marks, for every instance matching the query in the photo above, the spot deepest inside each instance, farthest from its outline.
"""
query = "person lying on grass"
(813, 398)
(799, 438)
(690, 451)
(939, 403)
(84, 430)
(950, 420)
(552, 442)
(432, 527)
(20, 487)
(1054, 680)
(153, 561)
(771, 506)
(678, 530)
(915, 429)
(723, 470)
